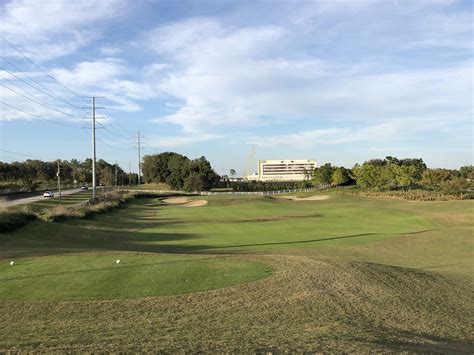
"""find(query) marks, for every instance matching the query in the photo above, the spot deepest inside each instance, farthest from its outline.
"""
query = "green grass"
(346, 274)
(97, 276)
(40, 206)
(151, 186)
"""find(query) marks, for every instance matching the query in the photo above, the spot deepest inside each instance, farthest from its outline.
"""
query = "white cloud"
(51, 28)
(336, 135)
(88, 74)
(175, 141)
(111, 51)
(227, 77)
(108, 77)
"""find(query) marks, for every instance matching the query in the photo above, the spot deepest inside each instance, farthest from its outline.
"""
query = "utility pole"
(59, 182)
(93, 149)
(116, 166)
(94, 183)
(139, 156)
(129, 172)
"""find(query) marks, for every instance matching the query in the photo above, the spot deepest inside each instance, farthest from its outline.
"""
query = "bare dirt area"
(307, 305)
(310, 198)
(184, 202)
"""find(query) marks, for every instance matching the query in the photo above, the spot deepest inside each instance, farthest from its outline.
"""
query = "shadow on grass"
(122, 230)
(423, 342)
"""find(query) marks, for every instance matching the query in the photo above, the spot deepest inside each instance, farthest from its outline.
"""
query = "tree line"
(32, 174)
(179, 172)
(392, 173)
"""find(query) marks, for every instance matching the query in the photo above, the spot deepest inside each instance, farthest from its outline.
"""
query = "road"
(25, 200)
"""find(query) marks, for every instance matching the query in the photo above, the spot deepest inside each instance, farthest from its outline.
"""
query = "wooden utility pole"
(93, 149)
(139, 156)
(116, 166)
(59, 182)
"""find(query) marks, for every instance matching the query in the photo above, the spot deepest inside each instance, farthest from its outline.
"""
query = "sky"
(339, 81)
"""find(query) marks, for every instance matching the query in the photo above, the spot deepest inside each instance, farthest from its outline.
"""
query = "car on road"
(84, 188)
(48, 194)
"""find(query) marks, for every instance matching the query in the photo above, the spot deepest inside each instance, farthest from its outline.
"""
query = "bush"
(60, 213)
(10, 220)
(101, 204)
(413, 195)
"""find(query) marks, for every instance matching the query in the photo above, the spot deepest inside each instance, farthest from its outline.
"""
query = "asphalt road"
(22, 201)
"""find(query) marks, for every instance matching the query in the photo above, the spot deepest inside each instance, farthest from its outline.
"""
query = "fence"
(277, 192)
(211, 193)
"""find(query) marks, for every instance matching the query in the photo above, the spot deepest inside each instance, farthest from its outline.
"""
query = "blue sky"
(339, 81)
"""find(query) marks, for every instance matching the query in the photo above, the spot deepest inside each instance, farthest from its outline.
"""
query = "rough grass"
(13, 219)
(351, 274)
(151, 186)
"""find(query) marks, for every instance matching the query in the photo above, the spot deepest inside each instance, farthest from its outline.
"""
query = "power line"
(49, 93)
(117, 130)
(39, 117)
(111, 146)
(113, 139)
(111, 132)
(39, 102)
(37, 66)
(25, 155)
(2, 157)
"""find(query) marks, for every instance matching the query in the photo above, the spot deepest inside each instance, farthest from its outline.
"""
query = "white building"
(283, 170)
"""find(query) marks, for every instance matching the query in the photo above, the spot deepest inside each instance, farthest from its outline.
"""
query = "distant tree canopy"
(323, 174)
(179, 171)
(393, 173)
(31, 173)
(329, 174)
(389, 173)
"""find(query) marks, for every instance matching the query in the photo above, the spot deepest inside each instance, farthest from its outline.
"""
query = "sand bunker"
(184, 202)
(310, 198)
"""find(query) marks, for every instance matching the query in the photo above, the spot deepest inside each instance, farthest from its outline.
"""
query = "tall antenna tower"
(249, 163)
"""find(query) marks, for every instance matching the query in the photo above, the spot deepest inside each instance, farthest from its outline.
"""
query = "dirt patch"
(310, 198)
(184, 202)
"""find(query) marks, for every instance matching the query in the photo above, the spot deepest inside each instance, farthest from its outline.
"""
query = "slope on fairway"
(308, 304)
(350, 274)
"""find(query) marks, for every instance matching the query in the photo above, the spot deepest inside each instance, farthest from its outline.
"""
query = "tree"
(194, 182)
(467, 172)
(340, 176)
(456, 186)
(405, 175)
(434, 178)
(323, 174)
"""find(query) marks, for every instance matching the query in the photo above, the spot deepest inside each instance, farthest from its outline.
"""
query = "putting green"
(98, 276)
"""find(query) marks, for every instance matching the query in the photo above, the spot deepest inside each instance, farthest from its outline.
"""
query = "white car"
(48, 194)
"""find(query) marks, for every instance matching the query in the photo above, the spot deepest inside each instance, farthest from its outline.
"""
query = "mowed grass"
(346, 274)
(98, 276)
